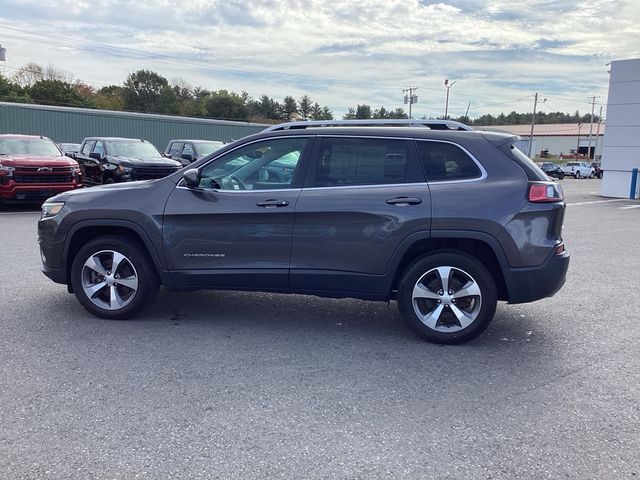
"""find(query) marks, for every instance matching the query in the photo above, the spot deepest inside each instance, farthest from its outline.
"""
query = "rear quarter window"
(445, 162)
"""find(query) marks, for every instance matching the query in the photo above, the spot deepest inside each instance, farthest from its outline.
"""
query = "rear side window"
(365, 161)
(445, 161)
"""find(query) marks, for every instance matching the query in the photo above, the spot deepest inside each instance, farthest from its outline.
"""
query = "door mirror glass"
(191, 178)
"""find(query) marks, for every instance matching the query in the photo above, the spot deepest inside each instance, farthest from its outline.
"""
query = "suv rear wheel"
(113, 277)
(447, 297)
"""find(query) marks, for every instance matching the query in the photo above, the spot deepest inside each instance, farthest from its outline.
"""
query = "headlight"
(6, 170)
(124, 170)
(51, 209)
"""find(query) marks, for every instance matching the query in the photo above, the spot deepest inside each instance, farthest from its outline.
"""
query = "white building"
(557, 138)
(621, 146)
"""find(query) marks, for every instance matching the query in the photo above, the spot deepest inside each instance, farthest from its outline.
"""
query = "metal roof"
(547, 129)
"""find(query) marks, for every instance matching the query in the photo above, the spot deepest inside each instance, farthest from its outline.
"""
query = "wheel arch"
(88, 230)
(481, 246)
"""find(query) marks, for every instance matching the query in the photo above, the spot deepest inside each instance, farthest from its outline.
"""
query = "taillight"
(545, 192)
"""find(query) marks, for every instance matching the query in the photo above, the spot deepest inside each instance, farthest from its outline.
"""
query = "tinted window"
(266, 165)
(444, 161)
(188, 150)
(175, 149)
(87, 148)
(99, 148)
(364, 161)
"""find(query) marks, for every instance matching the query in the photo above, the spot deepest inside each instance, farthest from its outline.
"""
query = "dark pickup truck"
(112, 160)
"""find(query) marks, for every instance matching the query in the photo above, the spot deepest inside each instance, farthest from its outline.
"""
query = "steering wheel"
(235, 182)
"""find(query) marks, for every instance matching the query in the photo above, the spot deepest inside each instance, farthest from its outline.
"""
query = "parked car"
(552, 170)
(442, 219)
(69, 149)
(579, 169)
(33, 168)
(597, 169)
(188, 151)
(112, 160)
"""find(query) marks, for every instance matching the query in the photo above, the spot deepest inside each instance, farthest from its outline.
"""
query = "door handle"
(404, 201)
(272, 203)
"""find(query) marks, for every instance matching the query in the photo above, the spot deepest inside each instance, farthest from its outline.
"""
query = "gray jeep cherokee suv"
(442, 218)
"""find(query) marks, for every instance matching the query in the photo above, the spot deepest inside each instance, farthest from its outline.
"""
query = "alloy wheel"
(109, 280)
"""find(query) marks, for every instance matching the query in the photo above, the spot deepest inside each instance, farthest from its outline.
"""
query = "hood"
(137, 162)
(27, 161)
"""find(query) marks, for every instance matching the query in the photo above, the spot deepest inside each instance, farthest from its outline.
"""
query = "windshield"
(39, 147)
(134, 149)
(204, 149)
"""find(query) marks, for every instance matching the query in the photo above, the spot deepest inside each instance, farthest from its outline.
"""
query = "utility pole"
(593, 106)
(533, 122)
(446, 103)
(598, 132)
(466, 114)
(411, 98)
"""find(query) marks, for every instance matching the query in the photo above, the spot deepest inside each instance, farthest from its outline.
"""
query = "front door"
(235, 230)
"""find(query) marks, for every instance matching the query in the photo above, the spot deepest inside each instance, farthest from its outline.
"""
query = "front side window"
(99, 148)
(204, 149)
(86, 149)
(175, 149)
(265, 165)
(446, 162)
(364, 161)
(188, 150)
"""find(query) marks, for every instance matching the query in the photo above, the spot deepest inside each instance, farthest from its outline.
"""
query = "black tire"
(460, 262)
(577, 174)
(143, 269)
(560, 176)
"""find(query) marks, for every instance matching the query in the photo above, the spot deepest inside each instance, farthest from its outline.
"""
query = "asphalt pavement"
(250, 385)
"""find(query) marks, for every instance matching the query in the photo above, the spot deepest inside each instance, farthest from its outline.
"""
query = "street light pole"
(446, 104)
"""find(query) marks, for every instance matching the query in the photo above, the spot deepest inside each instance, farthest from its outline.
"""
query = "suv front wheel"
(113, 277)
(447, 297)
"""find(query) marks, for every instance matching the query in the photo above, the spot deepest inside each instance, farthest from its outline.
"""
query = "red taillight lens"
(544, 192)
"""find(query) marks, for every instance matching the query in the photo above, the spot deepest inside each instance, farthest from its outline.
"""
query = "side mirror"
(191, 178)
(95, 156)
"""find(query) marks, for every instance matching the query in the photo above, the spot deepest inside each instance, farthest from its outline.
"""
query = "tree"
(289, 107)
(147, 91)
(55, 92)
(363, 112)
(304, 106)
(350, 115)
(228, 105)
(12, 92)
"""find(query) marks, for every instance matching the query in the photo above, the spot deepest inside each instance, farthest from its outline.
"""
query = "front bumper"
(35, 191)
(533, 283)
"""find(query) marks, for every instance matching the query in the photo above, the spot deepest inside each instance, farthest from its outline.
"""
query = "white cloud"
(342, 53)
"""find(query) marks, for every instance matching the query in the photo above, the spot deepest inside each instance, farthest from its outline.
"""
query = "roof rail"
(432, 124)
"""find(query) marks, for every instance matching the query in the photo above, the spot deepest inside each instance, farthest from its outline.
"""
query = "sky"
(340, 53)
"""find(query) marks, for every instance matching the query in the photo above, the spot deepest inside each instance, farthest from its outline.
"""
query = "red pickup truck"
(33, 168)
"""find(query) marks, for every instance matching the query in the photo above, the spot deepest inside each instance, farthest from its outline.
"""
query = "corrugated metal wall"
(64, 124)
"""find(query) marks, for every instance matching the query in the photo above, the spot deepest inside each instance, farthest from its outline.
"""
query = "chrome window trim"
(374, 185)
(482, 177)
(272, 190)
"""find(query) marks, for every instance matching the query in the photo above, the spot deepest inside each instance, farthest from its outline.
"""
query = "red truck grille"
(43, 175)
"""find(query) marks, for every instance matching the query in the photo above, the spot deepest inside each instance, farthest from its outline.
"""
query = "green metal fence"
(65, 124)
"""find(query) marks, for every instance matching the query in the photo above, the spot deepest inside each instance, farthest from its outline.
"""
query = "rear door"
(235, 230)
(362, 196)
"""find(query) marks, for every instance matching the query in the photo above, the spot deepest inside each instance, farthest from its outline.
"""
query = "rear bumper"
(533, 283)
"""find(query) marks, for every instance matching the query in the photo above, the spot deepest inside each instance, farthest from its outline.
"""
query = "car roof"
(401, 132)
(195, 141)
(24, 137)
(116, 139)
